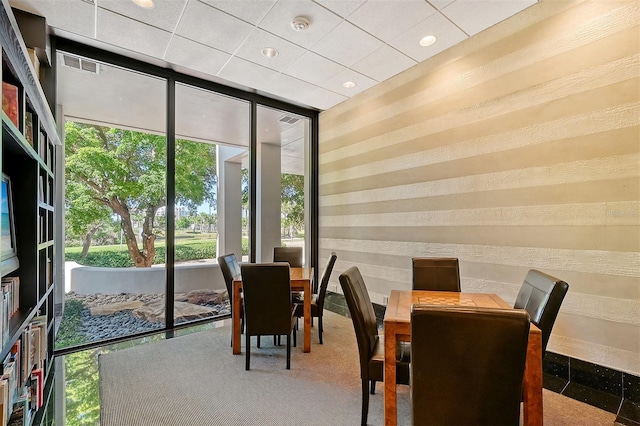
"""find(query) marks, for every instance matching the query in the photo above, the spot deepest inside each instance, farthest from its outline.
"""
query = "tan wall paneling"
(518, 148)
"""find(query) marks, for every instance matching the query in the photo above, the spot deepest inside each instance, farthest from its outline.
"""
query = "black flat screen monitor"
(9, 255)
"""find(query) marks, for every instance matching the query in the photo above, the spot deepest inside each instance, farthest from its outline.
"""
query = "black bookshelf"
(29, 142)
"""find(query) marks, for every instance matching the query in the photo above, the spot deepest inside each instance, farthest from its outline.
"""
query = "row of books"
(9, 305)
(11, 107)
(22, 379)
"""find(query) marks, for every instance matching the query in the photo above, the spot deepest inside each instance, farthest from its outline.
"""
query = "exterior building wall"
(518, 148)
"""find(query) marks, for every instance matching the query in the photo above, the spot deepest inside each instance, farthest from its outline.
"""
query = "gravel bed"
(122, 323)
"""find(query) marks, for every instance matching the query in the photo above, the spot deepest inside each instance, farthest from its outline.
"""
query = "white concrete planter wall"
(191, 276)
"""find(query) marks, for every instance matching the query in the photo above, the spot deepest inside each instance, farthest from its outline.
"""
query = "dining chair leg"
(365, 401)
(373, 387)
(247, 350)
(295, 337)
(320, 329)
(289, 351)
(258, 341)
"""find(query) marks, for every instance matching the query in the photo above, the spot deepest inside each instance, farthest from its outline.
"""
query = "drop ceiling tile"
(346, 44)
(437, 25)
(164, 14)
(288, 87)
(259, 39)
(388, 19)
(440, 4)
(362, 83)
(190, 54)
(314, 68)
(74, 16)
(212, 27)
(278, 21)
(322, 98)
(251, 11)
(133, 35)
(247, 73)
(474, 16)
(383, 63)
(343, 8)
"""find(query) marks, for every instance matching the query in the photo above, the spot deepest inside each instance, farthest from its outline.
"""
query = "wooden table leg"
(390, 402)
(307, 316)
(532, 387)
(235, 315)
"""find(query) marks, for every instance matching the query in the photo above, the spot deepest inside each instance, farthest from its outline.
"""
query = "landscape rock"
(154, 312)
(206, 296)
(112, 308)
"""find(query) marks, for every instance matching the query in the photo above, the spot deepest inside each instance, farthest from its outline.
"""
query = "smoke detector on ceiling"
(300, 23)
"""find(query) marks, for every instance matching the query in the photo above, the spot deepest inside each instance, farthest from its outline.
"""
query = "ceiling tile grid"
(362, 41)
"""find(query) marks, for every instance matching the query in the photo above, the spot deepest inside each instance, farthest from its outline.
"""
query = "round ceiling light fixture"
(147, 4)
(269, 52)
(300, 23)
(348, 84)
(428, 40)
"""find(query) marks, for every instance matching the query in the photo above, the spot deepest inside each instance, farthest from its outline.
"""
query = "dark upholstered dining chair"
(291, 255)
(542, 295)
(370, 343)
(467, 365)
(231, 270)
(317, 300)
(267, 303)
(436, 273)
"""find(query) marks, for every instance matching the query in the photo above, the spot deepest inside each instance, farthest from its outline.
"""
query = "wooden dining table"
(397, 327)
(300, 281)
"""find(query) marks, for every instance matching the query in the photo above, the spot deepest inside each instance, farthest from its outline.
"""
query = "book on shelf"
(10, 104)
(49, 274)
(41, 189)
(37, 388)
(33, 56)
(28, 127)
(42, 149)
(4, 402)
(9, 305)
(21, 415)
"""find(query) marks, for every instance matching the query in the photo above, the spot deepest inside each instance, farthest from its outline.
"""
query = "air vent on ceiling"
(81, 64)
(289, 119)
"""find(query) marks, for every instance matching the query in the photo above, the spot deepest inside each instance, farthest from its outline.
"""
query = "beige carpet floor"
(195, 380)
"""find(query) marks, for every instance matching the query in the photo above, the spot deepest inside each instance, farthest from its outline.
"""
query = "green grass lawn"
(188, 247)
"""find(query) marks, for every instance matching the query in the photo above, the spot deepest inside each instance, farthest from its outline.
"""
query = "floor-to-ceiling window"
(115, 200)
(212, 138)
(282, 181)
(198, 154)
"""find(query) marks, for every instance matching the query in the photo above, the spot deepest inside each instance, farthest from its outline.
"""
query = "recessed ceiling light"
(428, 40)
(348, 84)
(300, 23)
(147, 4)
(269, 52)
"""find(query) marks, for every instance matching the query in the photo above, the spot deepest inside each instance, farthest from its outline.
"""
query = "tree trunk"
(86, 241)
(138, 257)
(148, 237)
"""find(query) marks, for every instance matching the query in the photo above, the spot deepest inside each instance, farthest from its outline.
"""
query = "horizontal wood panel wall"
(518, 148)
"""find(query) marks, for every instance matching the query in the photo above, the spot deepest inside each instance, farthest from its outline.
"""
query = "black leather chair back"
(230, 270)
(542, 295)
(436, 274)
(267, 298)
(467, 365)
(292, 255)
(324, 282)
(362, 314)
